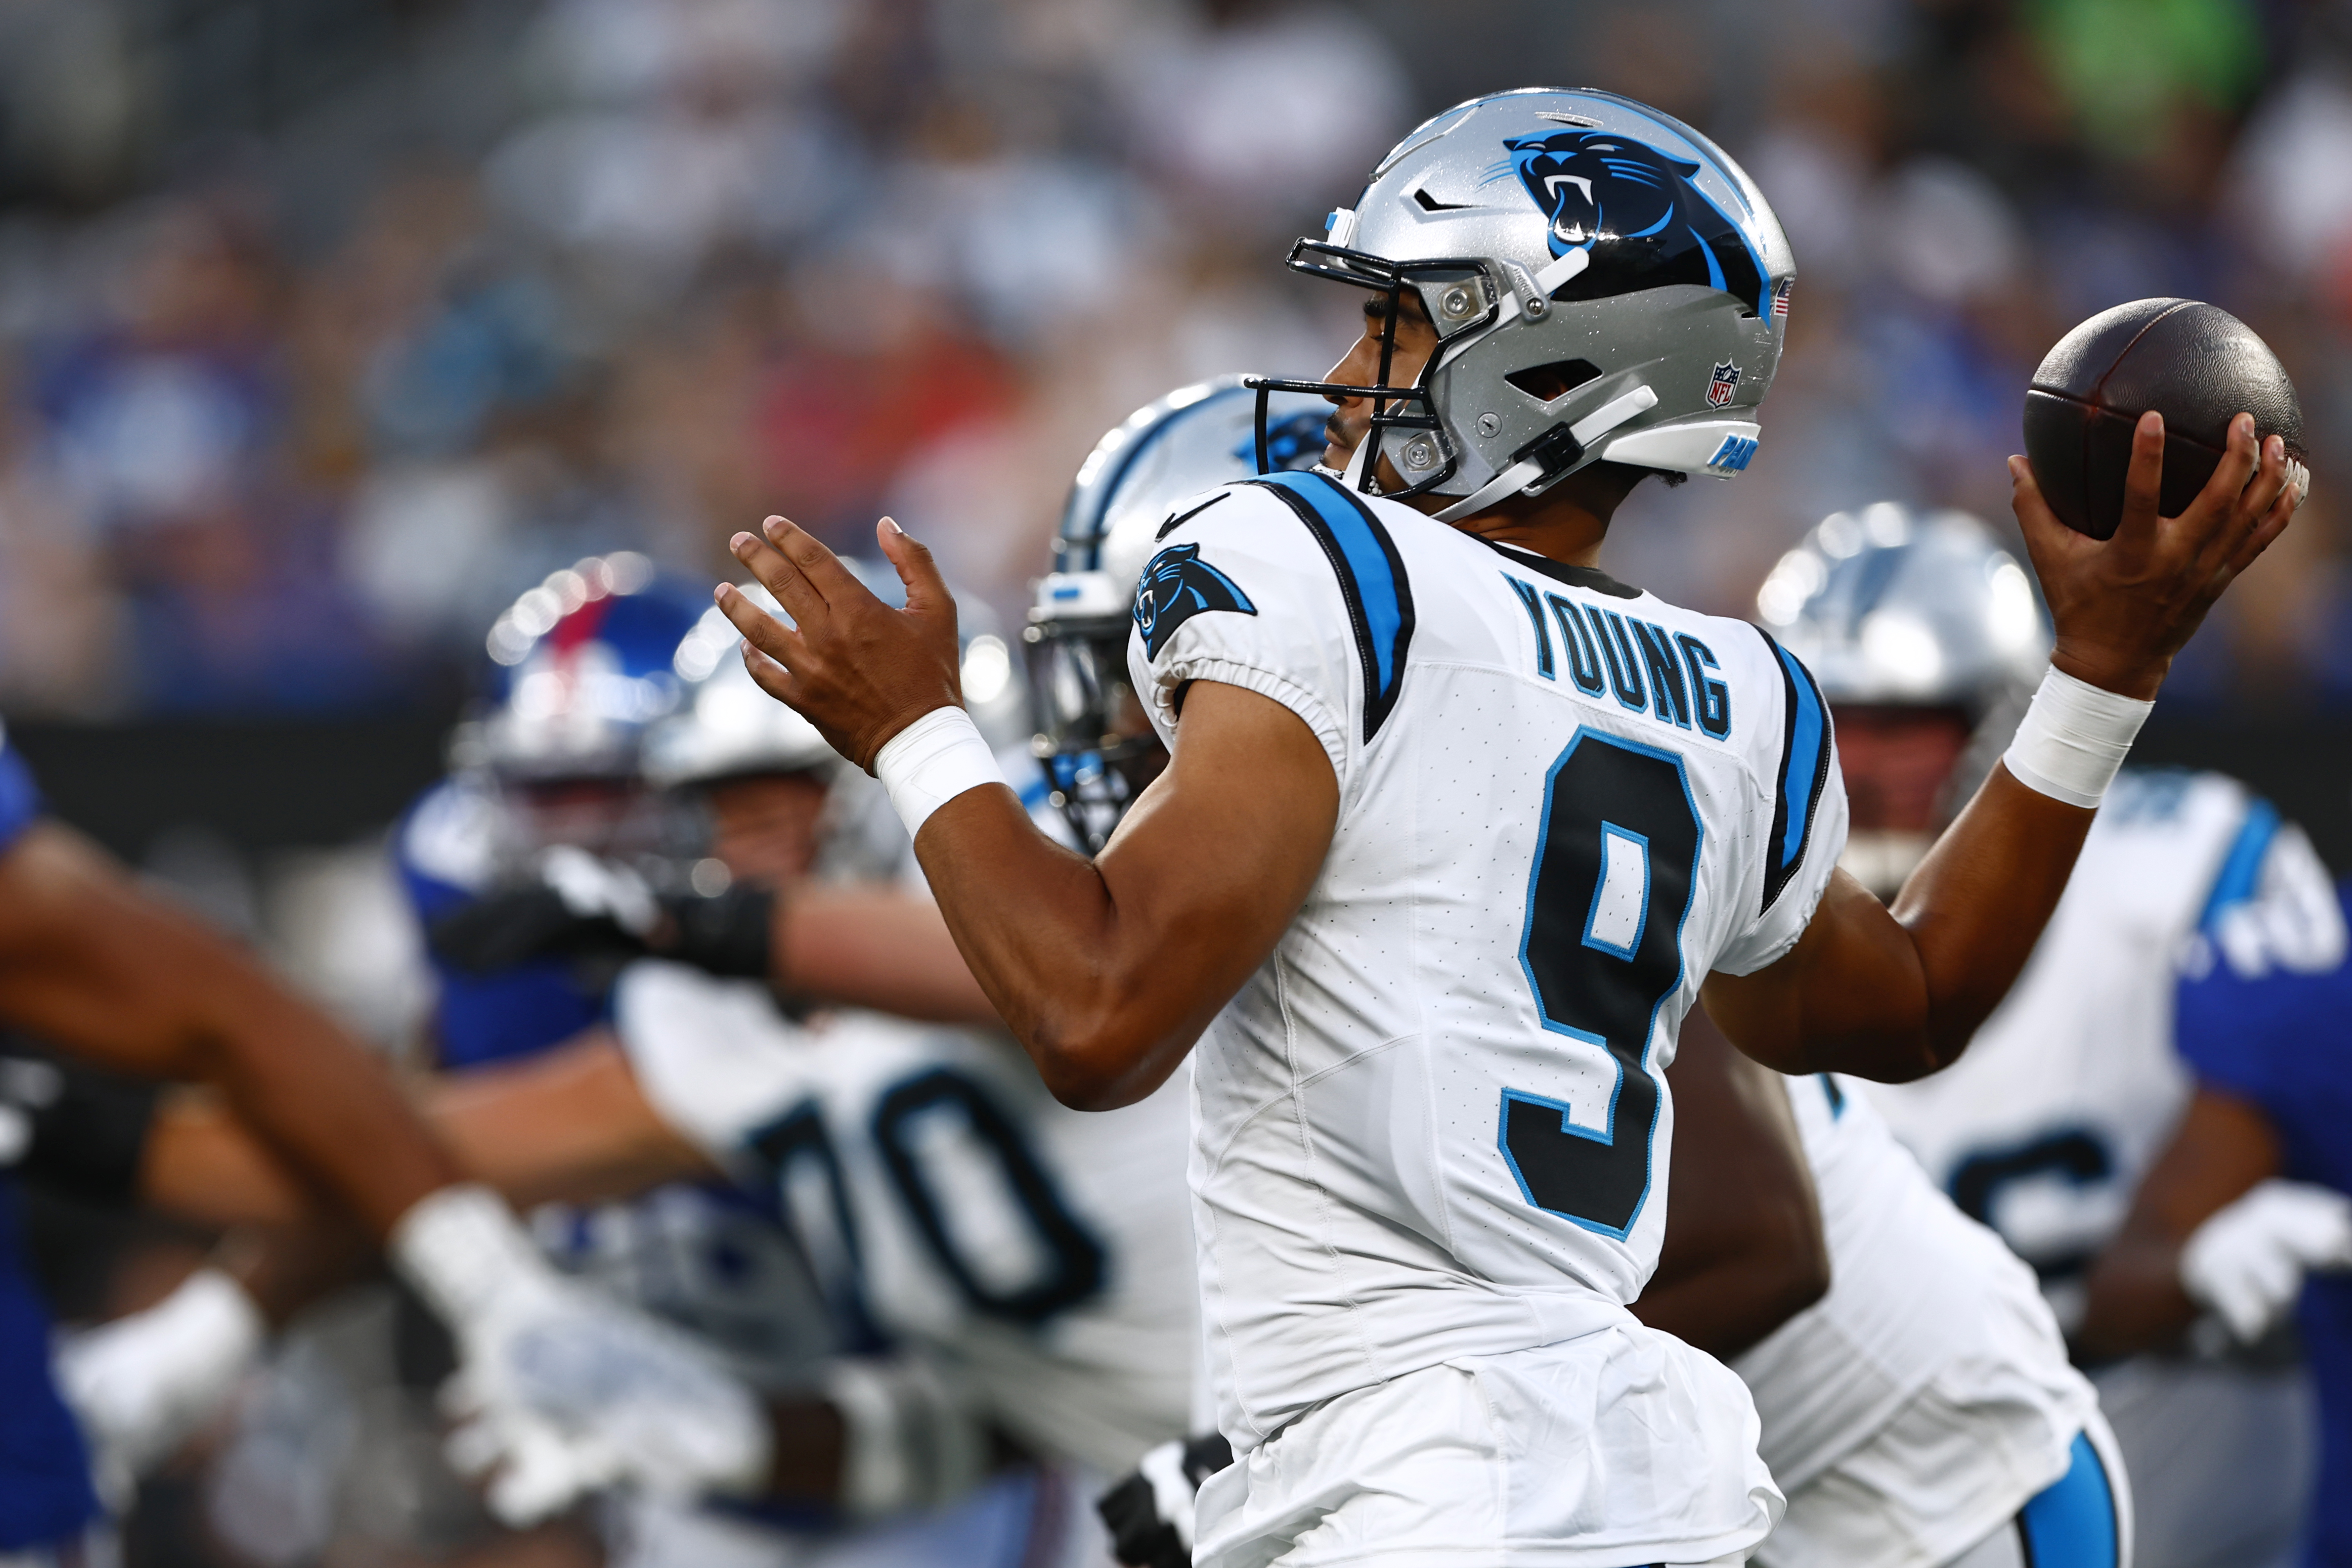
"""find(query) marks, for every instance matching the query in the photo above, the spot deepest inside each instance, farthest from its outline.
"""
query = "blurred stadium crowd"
(322, 336)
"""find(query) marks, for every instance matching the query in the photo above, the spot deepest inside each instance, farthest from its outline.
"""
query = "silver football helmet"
(1890, 606)
(1091, 738)
(1605, 284)
(726, 727)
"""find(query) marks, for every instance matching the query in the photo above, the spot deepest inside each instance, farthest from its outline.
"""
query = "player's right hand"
(849, 664)
(2247, 1261)
(559, 1391)
(579, 907)
(2125, 605)
(562, 1392)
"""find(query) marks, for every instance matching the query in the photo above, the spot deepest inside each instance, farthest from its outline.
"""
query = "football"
(2195, 363)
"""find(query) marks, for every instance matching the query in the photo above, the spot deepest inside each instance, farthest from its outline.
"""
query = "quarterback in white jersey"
(1913, 1391)
(2044, 1130)
(1444, 959)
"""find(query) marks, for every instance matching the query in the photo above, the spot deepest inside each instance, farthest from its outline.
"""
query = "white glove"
(562, 1390)
(142, 1384)
(2246, 1263)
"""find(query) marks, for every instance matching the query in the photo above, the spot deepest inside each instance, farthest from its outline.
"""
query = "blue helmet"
(1091, 739)
(584, 663)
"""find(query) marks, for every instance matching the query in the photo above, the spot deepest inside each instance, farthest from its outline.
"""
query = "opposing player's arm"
(1118, 964)
(1744, 1250)
(94, 965)
(1895, 993)
(2223, 1150)
(877, 947)
(570, 1123)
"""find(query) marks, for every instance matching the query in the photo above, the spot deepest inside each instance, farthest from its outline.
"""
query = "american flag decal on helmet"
(1781, 296)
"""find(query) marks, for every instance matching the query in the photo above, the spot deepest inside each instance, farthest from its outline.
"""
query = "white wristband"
(931, 761)
(2073, 738)
(461, 1248)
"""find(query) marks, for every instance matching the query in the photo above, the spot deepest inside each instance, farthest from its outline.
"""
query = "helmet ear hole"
(1550, 382)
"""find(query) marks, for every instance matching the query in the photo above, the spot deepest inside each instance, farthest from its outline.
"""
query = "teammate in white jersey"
(1922, 1413)
(1924, 639)
(1453, 831)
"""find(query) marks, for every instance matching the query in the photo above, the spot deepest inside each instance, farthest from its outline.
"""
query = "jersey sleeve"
(2272, 904)
(1807, 823)
(1244, 589)
(20, 798)
(714, 1059)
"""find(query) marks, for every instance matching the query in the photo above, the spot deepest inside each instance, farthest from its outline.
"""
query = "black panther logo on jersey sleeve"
(1178, 586)
(1636, 211)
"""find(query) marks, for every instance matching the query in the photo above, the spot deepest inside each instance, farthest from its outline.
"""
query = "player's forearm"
(1896, 996)
(2135, 1301)
(1046, 943)
(875, 947)
(571, 1124)
(98, 966)
(1978, 904)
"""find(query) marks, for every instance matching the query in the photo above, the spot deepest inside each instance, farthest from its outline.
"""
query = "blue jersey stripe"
(1803, 776)
(2242, 868)
(2072, 1520)
(20, 798)
(1807, 739)
(1371, 580)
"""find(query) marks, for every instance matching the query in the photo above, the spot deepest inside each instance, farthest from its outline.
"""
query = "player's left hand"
(849, 664)
(2124, 606)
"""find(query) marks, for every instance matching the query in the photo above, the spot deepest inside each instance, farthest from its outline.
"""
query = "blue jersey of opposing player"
(2280, 1038)
(582, 663)
(45, 1487)
(446, 849)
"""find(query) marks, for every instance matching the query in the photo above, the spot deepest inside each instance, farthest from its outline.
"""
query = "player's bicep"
(1855, 976)
(1219, 852)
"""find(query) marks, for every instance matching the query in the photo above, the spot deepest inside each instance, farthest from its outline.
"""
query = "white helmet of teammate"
(726, 727)
(1091, 738)
(1605, 285)
(1892, 607)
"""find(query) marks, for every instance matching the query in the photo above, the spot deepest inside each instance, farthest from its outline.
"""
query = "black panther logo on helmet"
(1636, 211)
(1178, 586)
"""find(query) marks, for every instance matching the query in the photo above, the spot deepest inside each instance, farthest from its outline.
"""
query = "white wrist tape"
(931, 761)
(462, 1248)
(2072, 740)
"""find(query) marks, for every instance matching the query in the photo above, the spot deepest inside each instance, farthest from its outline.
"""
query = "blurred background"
(328, 326)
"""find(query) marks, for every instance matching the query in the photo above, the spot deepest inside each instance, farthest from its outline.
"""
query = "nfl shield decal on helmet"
(1725, 382)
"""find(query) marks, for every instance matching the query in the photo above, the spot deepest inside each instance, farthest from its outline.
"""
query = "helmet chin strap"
(1528, 471)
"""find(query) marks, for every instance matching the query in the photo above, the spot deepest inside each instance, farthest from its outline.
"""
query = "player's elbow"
(1091, 1063)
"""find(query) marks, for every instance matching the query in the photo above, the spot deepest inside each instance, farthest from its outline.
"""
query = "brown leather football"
(2195, 363)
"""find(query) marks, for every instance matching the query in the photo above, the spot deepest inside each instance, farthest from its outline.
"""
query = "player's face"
(594, 815)
(1416, 340)
(1896, 762)
(765, 829)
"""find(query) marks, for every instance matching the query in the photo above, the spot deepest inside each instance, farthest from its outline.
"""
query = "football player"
(555, 1378)
(1926, 641)
(1454, 829)
(2249, 1197)
(1918, 1413)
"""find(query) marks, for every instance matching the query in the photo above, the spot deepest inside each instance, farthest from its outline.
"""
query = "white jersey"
(1043, 1255)
(2043, 1129)
(1919, 1296)
(1432, 1124)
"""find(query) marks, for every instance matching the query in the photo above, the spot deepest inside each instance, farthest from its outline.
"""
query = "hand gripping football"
(2195, 363)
